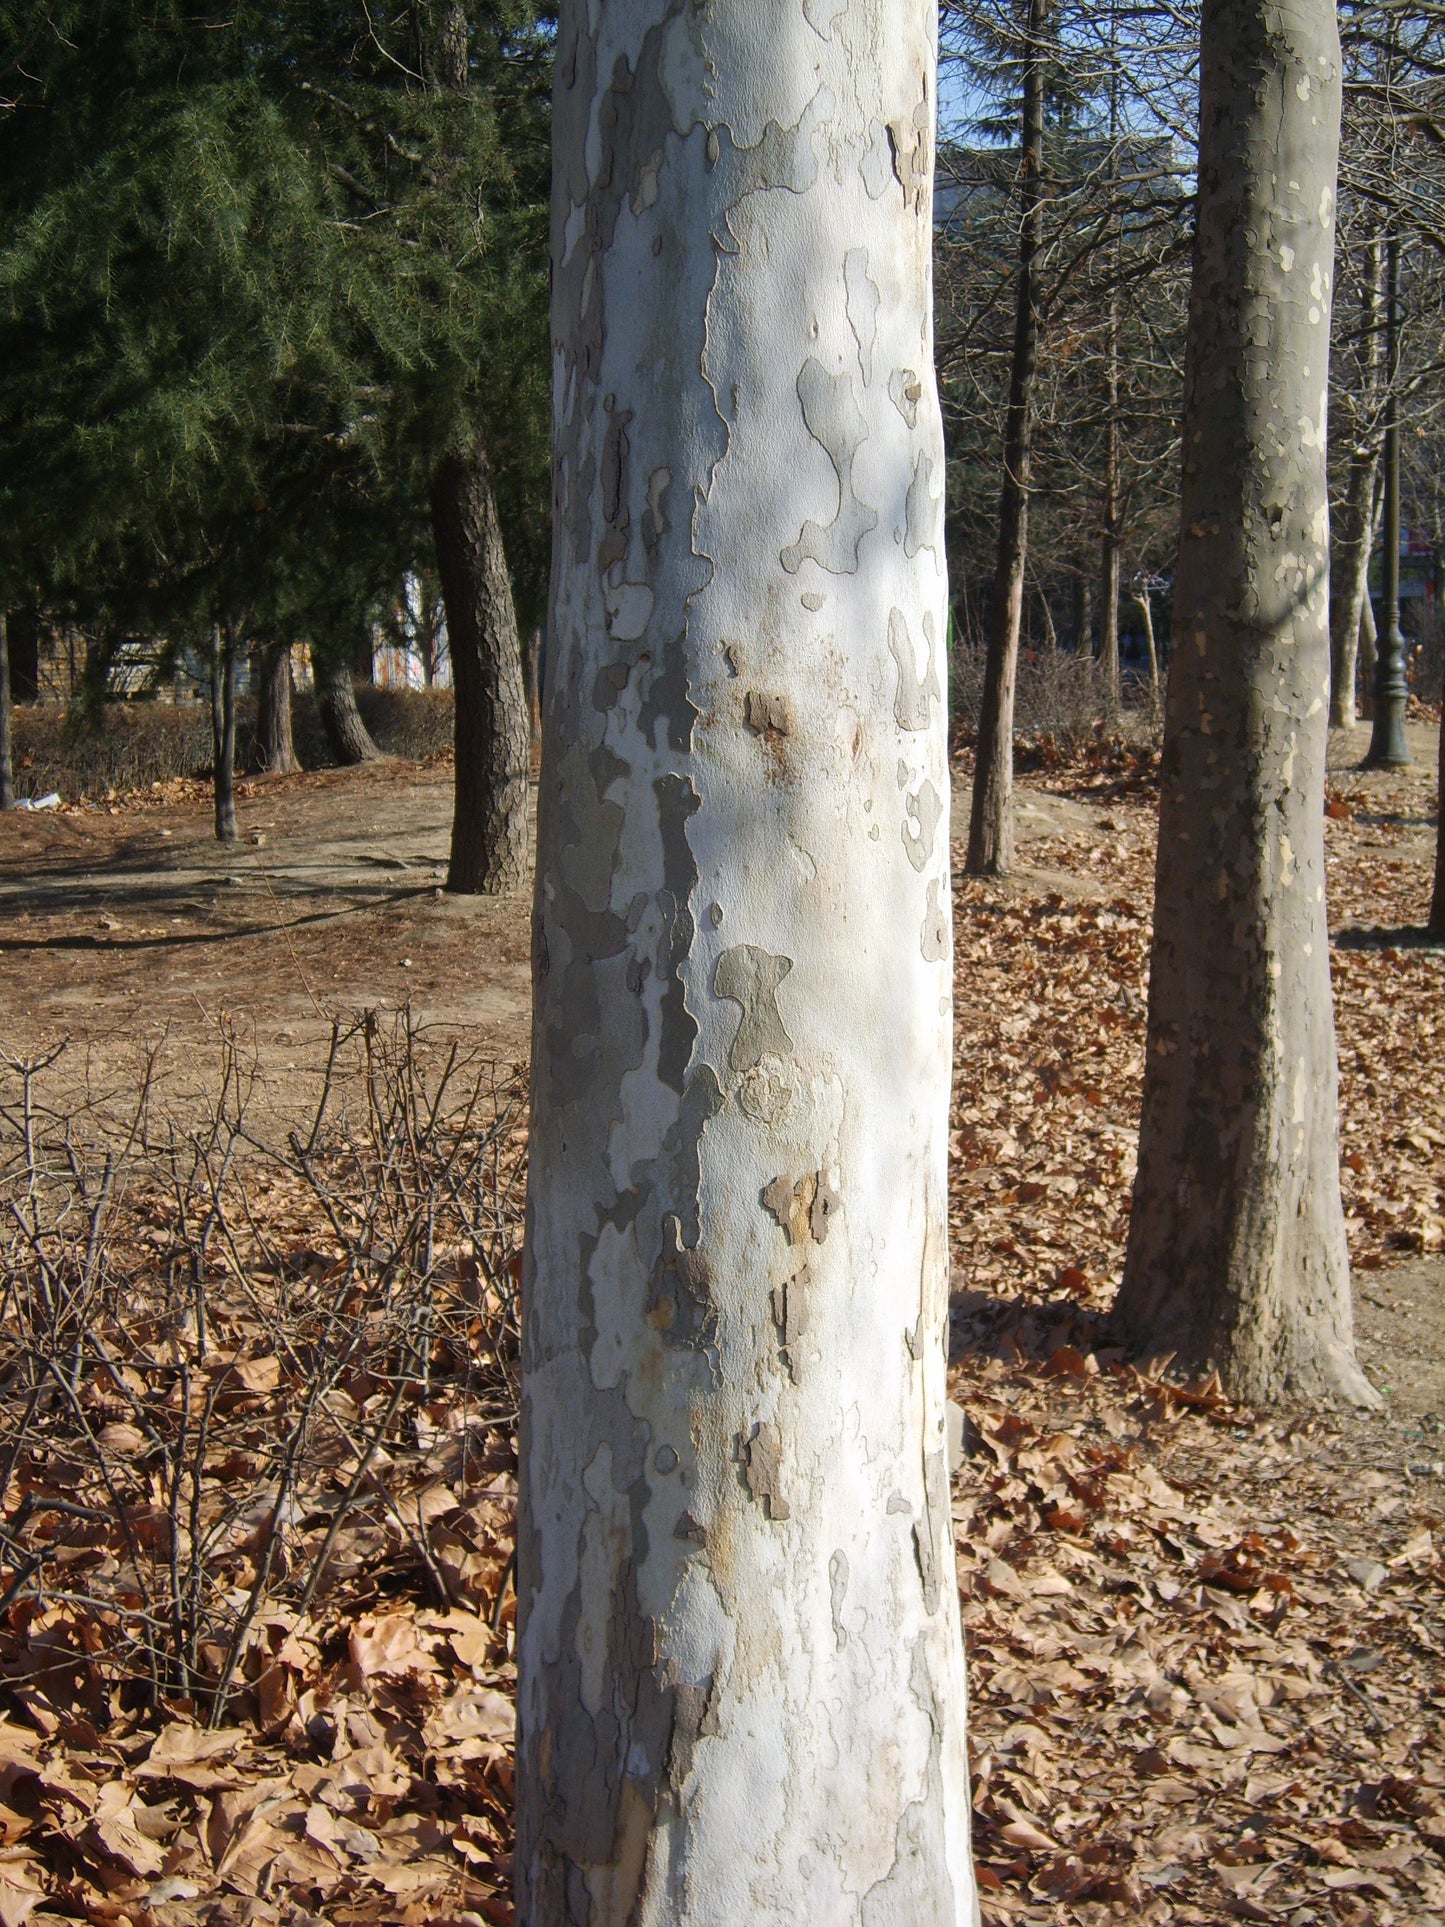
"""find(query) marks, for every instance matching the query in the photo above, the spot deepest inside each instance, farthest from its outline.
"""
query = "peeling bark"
(741, 1691)
(275, 747)
(991, 826)
(1237, 1252)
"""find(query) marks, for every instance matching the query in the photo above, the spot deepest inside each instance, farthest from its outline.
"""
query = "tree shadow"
(1407, 936)
(183, 940)
(982, 1325)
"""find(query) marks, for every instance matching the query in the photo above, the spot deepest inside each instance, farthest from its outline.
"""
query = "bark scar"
(750, 978)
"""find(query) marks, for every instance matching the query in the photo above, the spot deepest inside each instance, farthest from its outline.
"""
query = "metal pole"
(1387, 737)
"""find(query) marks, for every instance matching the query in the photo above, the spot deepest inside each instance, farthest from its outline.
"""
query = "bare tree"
(990, 825)
(1237, 1253)
(740, 1676)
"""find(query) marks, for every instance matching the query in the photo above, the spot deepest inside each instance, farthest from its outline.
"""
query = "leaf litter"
(1204, 1646)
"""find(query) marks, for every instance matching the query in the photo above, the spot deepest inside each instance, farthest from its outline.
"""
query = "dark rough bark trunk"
(7, 764)
(275, 749)
(1437, 901)
(990, 829)
(223, 732)
(493, 731)
(493, 734)
(346, 733)
(1237, 1255)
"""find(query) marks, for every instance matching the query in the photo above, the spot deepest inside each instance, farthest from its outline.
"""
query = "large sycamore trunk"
(741, 1693)
(1237, 1241)
(493, 732)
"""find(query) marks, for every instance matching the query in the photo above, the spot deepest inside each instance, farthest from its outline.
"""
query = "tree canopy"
(256, 268)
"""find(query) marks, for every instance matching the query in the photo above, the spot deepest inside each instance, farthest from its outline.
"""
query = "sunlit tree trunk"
(740, 1692)
(991, 827)
(1350, 563)
(1146, 609)
(1237, 1252)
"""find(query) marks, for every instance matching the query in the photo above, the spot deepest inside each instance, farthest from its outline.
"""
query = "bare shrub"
(1059, 698)
(132, 745)
(245, 1372)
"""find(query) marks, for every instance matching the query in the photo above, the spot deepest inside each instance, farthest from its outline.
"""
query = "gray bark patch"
(763, 1454)
(837, 424)
(913, 705)
(924, 809)
(750, 977)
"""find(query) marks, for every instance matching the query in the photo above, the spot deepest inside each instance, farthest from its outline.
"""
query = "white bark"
(741, 1688)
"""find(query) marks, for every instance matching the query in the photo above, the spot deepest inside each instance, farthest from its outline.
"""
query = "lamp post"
(1387, 736)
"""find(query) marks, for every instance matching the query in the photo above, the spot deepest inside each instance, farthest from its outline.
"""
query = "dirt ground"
(1207, 1647)
(126, 924)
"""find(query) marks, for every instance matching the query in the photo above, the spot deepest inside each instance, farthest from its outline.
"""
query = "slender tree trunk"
(1351, 572)
(1110, 542)
(1237, 1252)
(740, 1675)
(1350, 563)
(1437, 901)
(346, 733)
(1368, 652)
(489, 815)
(534, 689)
(1146, 610)
(991, 828)
(7, 757)
(223, 730)
(1109, 547)
(493, 738)
(275, 748)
